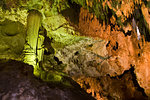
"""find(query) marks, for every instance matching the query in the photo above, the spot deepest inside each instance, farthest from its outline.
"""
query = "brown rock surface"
(142, 69)
(122, 87)
(123, 49)
(120, 48)
(145, 12)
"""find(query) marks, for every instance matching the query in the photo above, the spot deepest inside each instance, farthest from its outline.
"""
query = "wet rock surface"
(18, 83)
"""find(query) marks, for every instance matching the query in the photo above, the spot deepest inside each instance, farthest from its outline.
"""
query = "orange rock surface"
(123, 50)
(142, 69)
(119, 47)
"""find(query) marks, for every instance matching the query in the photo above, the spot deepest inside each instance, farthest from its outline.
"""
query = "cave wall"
(98, 40)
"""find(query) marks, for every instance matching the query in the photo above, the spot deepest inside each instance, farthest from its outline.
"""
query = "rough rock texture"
(143, 69)
(18, 83)
(123, 48)
(87, 58)
(12, 40)
(110, 20)
(124, 87)
(120, 48)
(146, 14)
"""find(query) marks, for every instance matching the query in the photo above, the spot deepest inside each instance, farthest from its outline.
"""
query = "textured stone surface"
(123, 47)
(120, 48)
(87, 57)
(12, 40)
(18, 83)
(122, 87)
(142, 69)
(111, 23)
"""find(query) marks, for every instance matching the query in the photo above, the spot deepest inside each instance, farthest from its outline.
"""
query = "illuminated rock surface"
(12, 39)
(143, 69)
(93, 41)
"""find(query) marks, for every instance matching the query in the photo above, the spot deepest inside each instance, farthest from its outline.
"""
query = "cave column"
(30, 49)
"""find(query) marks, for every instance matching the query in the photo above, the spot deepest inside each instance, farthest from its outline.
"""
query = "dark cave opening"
(72, 13)
(134, 79)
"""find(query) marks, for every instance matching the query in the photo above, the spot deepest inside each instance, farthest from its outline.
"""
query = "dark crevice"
(135, 81)
(76, 53)
(57, 60)
(139, 46)
(108, 44)
(46, 52)
(120, 76)
(145, 2)
(87, 86)
(128, 33)
(112, 26)
(3, 4)
(139, 54)
(90, 45)
(128, 20)
(72, 13)
(48, 49)
(109, 15)
(115, 47)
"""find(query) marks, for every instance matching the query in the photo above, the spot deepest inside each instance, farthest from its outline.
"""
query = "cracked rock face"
(87, 58)
(19, 83)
